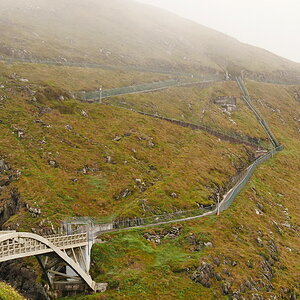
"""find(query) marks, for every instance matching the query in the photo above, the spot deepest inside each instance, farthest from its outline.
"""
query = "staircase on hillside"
(258, 115)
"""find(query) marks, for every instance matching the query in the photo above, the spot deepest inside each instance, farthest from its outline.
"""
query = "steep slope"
(250, 252)
(61, 158)
(46, 136)
(125, 32)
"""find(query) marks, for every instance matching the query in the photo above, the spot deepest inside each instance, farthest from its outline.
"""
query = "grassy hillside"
(47, 137)
(68, 154)
(77, 79)
(62, 158)
(124, 32)
(250, 252)
(196, 105)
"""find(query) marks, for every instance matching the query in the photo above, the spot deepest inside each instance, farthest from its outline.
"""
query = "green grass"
(8, 293)
(162, 271)
(190, 163)
(87, 144)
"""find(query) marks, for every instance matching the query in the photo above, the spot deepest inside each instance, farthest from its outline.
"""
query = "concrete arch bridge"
(64, 259)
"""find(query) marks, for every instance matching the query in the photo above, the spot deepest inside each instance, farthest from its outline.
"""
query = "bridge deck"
(17, 247)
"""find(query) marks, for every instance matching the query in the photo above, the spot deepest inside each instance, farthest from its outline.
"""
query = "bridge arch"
(70, 250)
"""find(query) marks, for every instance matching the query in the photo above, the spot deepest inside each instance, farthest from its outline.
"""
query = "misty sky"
(270, 24)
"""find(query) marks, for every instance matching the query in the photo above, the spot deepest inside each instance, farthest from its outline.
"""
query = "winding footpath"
(96, 229)
(94, 96)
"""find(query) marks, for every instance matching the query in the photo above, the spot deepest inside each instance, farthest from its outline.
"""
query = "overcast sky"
(270, 24)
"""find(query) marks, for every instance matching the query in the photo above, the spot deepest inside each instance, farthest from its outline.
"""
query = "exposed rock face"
(9, 207)
(123, 194)
(9, 198)
(23, 279)
(204, 274)
(53, 163)
(170, 233)
(15, 272)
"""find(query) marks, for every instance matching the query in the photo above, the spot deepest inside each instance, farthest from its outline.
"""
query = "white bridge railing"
(20, 246)
(64, 259)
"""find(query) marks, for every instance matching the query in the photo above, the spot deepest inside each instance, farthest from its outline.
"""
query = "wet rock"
(117, 138)
(4, 166)
(84, 113)
(174, 195)
(155, 238)
(226, 272)
(226, 288)
(2, 98)
(277, 227)
(19, 132)
(153, 168)
(258, 212)
(35, 212)
(259, 242)
(42, 123)
(13, 76)
(10, 206)
(208, 245)
(204, 275)
(267, 270)
(123, 194)
(23, 278)
(248, 285)
(273, 250)
(44, 110)
(53, 163)
(218, 277)
(287, 225)
(197, 245)
(151, 144)
(141, 185)
(109, 160)
(261, 207)
(88, 169)
(69, 127)
(217, 261)
(174, 232)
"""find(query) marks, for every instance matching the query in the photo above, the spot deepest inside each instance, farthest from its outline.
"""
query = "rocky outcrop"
(204, 274)
(9, 206)
(9, 197)
(15, 272)
(156, 237)
(23, 279)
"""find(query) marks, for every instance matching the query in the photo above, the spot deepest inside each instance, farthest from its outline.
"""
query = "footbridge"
(64, 259)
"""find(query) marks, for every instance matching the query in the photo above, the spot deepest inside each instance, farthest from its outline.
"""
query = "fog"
(271, 24)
